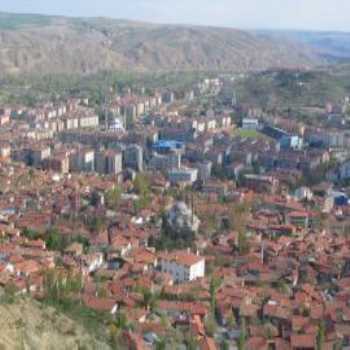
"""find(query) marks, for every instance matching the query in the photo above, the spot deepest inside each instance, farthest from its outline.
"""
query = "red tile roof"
(304, 341)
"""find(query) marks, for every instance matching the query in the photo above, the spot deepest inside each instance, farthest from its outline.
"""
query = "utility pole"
(106, 112)
(192, 207)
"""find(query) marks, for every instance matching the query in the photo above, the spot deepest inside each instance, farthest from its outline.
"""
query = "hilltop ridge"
(52, 44)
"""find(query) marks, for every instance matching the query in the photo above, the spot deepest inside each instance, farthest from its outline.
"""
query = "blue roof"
(168, 144)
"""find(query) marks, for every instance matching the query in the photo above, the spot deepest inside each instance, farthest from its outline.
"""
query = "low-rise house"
(261, 183)
(183, 266)
(5, 119)
(27, 268)
(75, 249)
(189, 308)
(121, 245)
(9, 231)
(303, 341)
(299, 219)
(145, 258)
(101, 304)
(92, 262)
(5, 151)
(219, 188)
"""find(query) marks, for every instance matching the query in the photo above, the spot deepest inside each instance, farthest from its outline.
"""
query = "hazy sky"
(285, 14)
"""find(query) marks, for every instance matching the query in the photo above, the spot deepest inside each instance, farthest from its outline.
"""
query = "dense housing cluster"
(187, 220)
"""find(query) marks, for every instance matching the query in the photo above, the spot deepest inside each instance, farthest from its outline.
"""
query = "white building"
(71, 123)
(5, 151)
(211, 124)
(109, 162)
(204, 170)
(250, 124)
(92, 262)
(117, 126)
(82, 160)
(89, 121)
(303, 193)
(182, 266)
(183, 176)
(165, 162)
(344, 170)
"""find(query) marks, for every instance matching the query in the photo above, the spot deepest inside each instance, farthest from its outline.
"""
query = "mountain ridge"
(56, 44)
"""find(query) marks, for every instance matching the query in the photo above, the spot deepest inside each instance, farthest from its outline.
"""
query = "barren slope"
(63, 45)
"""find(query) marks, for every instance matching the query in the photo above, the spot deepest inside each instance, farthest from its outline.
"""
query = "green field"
(251, 134)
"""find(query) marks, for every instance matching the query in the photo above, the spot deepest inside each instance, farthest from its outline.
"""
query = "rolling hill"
(44, 44)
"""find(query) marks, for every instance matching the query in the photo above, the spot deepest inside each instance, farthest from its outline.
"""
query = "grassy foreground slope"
(27, 324)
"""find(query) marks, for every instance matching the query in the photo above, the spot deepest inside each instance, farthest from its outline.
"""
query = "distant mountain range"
(46, 44)
(333, 47)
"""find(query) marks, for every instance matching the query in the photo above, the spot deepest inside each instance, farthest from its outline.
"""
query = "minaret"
(234, 99)
(192, 207)
(262, 252)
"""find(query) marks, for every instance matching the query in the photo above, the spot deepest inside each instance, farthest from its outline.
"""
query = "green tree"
(321, 335)
(142, 188)
(121, 321)
(30, 234)
(54, 240)
(238, 221)
(141, 184)
(9, 295)
(243, 243)
(113, 197)
(215, 284)
(161, 344)
(116, 329)
(225, 345)
(191, 342)
(210, 325)
(231, 321)
(149, 299)
(238, 217)
(96, 223)
(84, 241)
(242, 336)
(59, 285)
